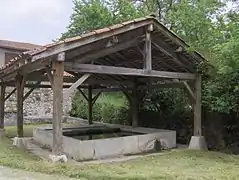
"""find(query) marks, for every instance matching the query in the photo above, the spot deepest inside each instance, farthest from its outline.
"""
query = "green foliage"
(106, 109)
(80, 108)
(95, 14)
(205, 25)
(114, 114)
(222, 91)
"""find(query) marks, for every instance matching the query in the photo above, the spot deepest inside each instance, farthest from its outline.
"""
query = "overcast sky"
(35, 21)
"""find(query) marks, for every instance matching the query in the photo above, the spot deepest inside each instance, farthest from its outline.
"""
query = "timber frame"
(131, 57)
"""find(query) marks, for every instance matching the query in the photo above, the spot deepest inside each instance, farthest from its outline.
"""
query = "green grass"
(169, 165)
(11, 131)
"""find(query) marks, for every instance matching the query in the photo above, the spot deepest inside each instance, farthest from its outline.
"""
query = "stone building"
(39, 103)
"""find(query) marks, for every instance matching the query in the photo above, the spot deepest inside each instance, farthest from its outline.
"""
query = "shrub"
(102, 111)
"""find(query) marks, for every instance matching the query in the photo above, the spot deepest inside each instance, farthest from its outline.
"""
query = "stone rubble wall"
(38, 104)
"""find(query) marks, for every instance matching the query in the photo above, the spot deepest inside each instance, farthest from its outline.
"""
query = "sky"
(34, 21)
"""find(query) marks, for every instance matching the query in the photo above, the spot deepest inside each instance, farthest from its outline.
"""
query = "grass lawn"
(11, 131)
(170, 165)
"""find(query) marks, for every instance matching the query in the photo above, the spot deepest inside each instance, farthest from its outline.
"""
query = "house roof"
(169, 51)
(21, 46)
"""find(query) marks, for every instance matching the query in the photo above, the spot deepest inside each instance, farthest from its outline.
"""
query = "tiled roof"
(18, 45)
(67, 41)
(70, 40)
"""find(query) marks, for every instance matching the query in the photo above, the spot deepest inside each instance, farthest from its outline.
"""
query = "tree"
(221, 92)
(94, 14)
(203, 24)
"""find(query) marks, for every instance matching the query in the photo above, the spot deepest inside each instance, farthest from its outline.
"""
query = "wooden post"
(148, 51)
(20, 83)
(57, 87)
(135, 107)
(197, 107)
(2, 103)
(90, 105)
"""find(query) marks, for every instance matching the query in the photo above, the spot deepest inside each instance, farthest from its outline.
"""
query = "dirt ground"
(12, 174)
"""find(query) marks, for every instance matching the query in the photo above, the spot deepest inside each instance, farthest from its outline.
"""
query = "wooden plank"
(98, 69)
(10, 94)
(58, 71)
(2, 103)
(77, 84)
(31, 90)
(92, 55)
(20, 82)
(197, 107)
(148, 51)
(63, 47)
(90, 106)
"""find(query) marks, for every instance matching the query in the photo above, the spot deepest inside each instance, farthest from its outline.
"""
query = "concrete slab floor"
(13, 174)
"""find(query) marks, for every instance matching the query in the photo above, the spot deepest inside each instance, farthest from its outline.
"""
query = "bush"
(102, 111)
(113, 114)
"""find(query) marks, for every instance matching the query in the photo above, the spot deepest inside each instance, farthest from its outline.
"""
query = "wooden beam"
(11, 72)
(92, 55)
(36, 86)
(147, 86)
(96, 97)
(83, 94)
(127, 94)
(77, 84)
(30, 91)
(58, 71)
(148, 50)
(189, 92)
(169, 52)
(97, 69)
(90, 105)
(197, 107)
(2, 104)
(62, 47)
(10, 94)
(176, 39)
(20, 82)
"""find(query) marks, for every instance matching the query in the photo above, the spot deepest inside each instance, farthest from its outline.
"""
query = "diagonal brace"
(31, 90)
(189, 91)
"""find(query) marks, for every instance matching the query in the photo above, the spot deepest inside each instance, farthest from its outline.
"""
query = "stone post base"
(198, 143)
(21, 143)
(2, 133)
(56, 158)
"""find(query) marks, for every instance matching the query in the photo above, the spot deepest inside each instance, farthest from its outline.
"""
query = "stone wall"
(38, 104)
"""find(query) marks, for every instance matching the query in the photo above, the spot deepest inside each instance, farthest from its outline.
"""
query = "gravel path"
(13, 174)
